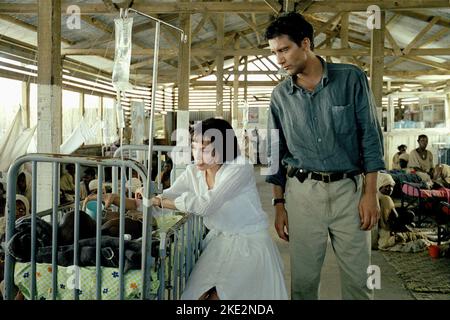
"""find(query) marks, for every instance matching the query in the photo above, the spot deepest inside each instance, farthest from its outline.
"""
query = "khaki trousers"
(317, 210)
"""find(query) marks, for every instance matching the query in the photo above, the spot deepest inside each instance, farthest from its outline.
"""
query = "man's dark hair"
(209, 130)
(293, 25)
(401, 147)
(89, 172)
(422, 136)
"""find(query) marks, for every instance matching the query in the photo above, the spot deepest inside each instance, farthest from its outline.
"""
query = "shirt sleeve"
(180, 185)
(371, 140)
(276, 149)
(228, 185)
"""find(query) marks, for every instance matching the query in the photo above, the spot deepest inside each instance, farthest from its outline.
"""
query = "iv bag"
(122, 58)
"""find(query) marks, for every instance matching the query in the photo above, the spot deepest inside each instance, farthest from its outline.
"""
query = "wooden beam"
(395, 47)
(205, 52)
(325, 26)
(341, 6)
(426, 62)
(377, 63)
(302, 6)
(30, 27)
(435, 37)
(275, 6)
(421, 15)
(236, 7)
(200, 25)
(251, 24)
(242, 84)
(420, 35)
(429, 52)
(344, 33)
(409, 74)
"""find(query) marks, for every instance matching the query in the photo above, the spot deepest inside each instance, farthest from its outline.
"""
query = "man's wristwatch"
(278, 200)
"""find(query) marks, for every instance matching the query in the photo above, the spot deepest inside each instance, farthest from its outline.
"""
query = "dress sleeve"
(228, 185)
(180, 185)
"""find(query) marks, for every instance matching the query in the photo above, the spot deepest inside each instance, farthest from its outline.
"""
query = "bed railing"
(179, 249)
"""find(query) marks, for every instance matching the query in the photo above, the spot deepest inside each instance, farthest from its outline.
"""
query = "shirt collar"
(324, 80)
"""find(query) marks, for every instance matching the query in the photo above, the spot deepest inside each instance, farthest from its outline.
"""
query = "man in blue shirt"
(329, 150)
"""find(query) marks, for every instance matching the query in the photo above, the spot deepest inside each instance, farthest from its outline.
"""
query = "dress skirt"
(240, 266)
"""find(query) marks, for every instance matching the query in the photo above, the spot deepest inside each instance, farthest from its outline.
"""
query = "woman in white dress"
(240, 260)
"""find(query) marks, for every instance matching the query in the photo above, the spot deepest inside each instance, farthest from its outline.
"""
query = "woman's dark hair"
(293, 25)
(219, 132)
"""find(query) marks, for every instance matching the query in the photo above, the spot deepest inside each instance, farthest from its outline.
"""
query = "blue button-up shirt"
(332, 129)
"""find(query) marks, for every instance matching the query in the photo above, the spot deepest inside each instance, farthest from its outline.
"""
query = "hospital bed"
(161, 276)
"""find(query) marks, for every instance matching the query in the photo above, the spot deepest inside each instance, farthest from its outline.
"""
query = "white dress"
(240, 258)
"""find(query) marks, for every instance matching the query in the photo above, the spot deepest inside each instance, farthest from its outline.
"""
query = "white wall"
(436, 138)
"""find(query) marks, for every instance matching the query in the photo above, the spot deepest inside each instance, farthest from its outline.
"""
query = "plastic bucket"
(433, 250)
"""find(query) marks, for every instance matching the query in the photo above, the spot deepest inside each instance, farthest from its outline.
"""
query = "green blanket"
(87, 287)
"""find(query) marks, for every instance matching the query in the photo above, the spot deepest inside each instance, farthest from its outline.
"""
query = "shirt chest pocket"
(343, 119)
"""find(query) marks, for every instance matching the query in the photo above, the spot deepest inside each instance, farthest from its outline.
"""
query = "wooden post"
(447, 111)
(26, 104)
(219, 65)
(49, 129)
(184, 65)
(234, 113)
(377, 64)
(344, 34)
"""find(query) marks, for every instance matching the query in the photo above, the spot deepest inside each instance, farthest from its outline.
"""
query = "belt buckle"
(327, 176)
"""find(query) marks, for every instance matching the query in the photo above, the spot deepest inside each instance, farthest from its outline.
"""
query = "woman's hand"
(156, 201)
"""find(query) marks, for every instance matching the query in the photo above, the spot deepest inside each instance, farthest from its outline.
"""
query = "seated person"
(396, 159)
(165, 174)
(441, 175)
(67, 180)
(394, 231)
(403, 160)
(421, 159)
(24, 185)
(89, 175)
(22, 209)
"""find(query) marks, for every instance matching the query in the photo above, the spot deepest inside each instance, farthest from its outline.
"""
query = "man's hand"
(281, 222)
(369, 211)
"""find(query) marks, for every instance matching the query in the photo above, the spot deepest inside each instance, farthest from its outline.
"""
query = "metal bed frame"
(182, 243)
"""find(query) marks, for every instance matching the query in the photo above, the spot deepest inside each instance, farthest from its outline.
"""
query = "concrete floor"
(330, 289)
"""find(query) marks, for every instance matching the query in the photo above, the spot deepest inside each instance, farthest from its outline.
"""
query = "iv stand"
(146, 263)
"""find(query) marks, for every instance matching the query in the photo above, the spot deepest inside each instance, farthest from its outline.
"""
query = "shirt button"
(319, 140)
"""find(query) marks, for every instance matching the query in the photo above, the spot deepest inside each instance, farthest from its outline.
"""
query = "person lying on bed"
(240, 260)
(22, 209)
